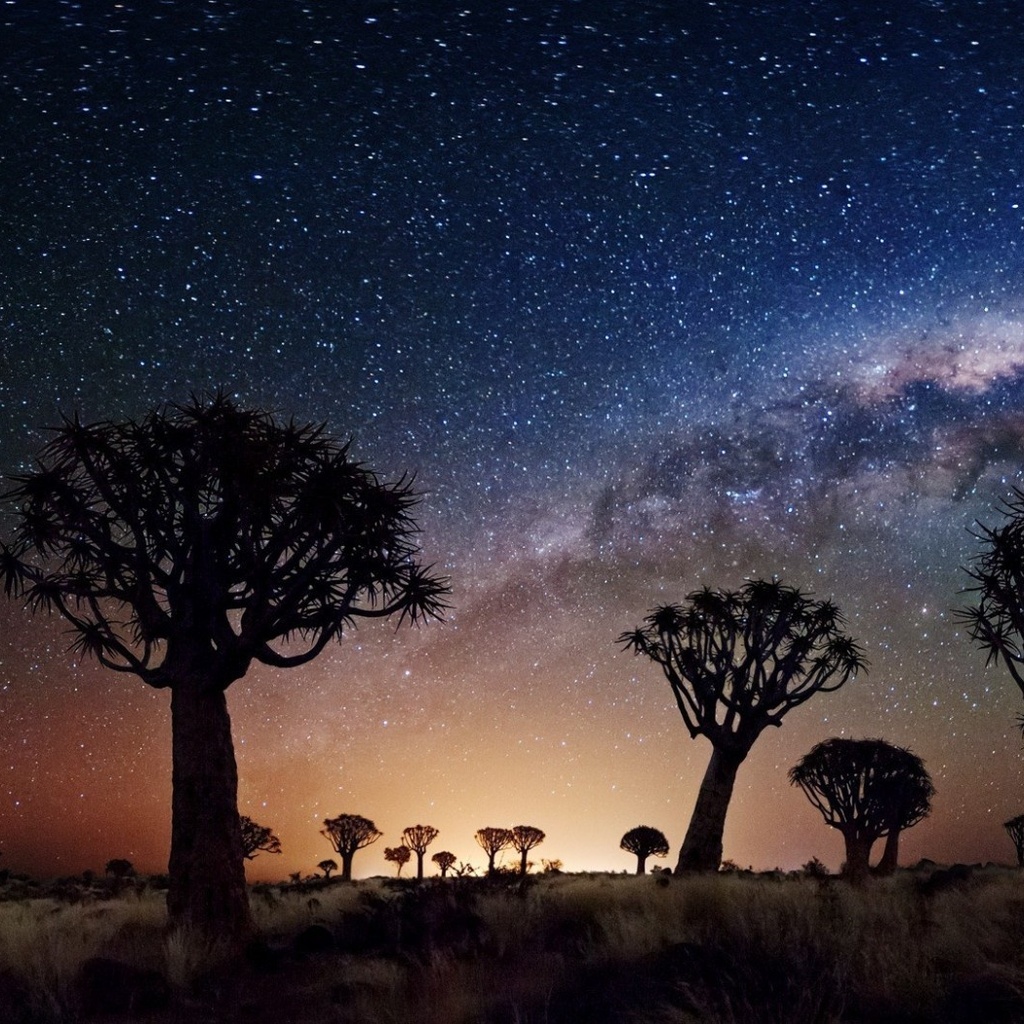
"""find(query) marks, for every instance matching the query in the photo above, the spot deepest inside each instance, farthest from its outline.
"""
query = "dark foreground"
(930, 946)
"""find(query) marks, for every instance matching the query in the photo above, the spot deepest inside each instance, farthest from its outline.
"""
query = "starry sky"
(648, 296)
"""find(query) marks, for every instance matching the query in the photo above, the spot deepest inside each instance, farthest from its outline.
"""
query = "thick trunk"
(419, 866)
(702, 847)
(207, 889)
(346, 866)
(858, 851)
(891, 853)
(522, 862)
(641, 863)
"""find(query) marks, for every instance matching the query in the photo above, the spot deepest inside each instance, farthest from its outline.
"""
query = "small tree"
(120, 869)
(186, 546)
(398, 855)
(445, 861)
(257, 839)
(738, 662)
(327, 866)
(348, 833)
(643, 842)
(418, 838)
(1015, 830)
(492, 841)
(524, 839)
(860, 787)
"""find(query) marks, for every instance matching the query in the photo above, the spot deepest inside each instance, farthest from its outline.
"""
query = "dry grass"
(715, 950)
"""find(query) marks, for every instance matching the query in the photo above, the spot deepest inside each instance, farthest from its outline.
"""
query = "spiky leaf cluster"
(350, 832)
(251, 539)
(738, 661)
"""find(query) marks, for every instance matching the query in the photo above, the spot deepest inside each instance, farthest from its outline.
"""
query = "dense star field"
(648, 296)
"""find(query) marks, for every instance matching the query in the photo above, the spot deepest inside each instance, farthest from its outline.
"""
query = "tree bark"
(858, 851)
(207, 890)
(702, 847)
(890, 855)
(641, 863)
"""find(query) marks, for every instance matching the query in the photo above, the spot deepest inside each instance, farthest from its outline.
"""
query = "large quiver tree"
(185, 546)
(738, 662)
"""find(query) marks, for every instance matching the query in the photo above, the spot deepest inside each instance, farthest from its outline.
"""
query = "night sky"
(648, 296)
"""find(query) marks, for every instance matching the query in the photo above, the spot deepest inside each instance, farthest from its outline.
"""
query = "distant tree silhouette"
(524, 839)
(996, 621)
(738, 662)
(492, 841)
(908, 800)
(643, 842)
(418, 838)
(865, 789)
(444, 860)
(120, 868)
(399, 855)
(348, 833)
(257, 839)
(182, 548)
(1015, 830)
(327, 866)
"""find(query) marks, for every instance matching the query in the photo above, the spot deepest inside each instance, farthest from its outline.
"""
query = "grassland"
(922, 947)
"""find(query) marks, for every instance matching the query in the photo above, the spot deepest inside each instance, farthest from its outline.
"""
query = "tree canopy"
(257, 838)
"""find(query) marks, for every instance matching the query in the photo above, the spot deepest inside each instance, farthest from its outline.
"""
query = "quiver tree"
(524, 839)
(907, 795)
(120, 869)
(643, 842)
(327, 866)
(257, 839)
(864, 789)
(1015, 830)
(186, 546)
(445, 861)
(418, 838)
(397, 855)
(995, 622)
(348, 833)
(492, 841)
(738, 662)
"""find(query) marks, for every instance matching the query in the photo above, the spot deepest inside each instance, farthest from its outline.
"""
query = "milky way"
(648, 295)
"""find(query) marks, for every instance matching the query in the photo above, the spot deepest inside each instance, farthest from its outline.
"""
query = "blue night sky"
(648, 296)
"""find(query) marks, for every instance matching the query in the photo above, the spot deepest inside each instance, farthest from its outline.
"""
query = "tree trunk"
(419, 866)
(890, 855)
(207, 890)
(641, 863)
(522, 862)
(858, 851)
(346, 866)
(702, 847)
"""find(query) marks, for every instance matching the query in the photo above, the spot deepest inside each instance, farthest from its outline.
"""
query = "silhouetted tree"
(737, 662)
(327, 866)
(444, 860)
(418, 838)
(398, 855)
(120, 868)
(185, 546)
(861, 788)
(257, 839)
(492, 841)
(348, 833)
(524, 839)
(908, 798)
(643, 842)
(996, 622)
(1015, 829)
